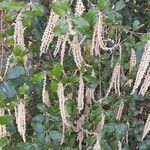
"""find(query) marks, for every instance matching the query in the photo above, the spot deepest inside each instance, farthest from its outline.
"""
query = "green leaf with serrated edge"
(60, 8)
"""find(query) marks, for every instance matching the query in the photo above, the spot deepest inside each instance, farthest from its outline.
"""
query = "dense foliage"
(126, 22)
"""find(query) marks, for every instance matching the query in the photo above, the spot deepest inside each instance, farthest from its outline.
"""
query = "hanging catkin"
(62, 99)
(132, 64)
(48, 33)
(45, 94)
(63, 47)
(19, 35)
(120, 110)
(20, 115)
(58, 45)
(115, 81)
(145, 84)
(97, 145)
(89, 94)
(119, 145)
(132, 60)
(18, 39)
(101, 123)
(76, 51)
(127, 133)
(98, 39)
(3, 131)
(99, 127)
(63, 112)
(19, 31)
(146, 128)
(81, 134)
(79, 9)
(80, 99)
(89, 91)
(145, 60)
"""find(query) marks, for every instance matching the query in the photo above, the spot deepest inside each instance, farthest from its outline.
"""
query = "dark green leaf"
(15, 72)
(102, 4)
(23, 89)
(42, 108)
(56, 135)
(38, 77)
(72, 79)
(37, 9)
(60, 8)
(9, 16)
(81, 25)
(38, 128)
(91, 81)
(57, 70)
(8, 89)
(90, 140)
(9, 31)
(5, 119)
(23, 146)
(26, 20)
(136, 24)
(91, 16)
(121, 130)
(38, 119)
(61, 27)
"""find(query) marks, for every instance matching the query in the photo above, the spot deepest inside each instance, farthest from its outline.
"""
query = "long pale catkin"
(132, 60)
(3, 131)
(115, 80)
(146, 83)
(20, 115)
(79, 9)
(45, 94)
(120, 110)
(144, 63)
(48, 33)
(62, 99)
(19, 31)
(80, 99)
(97, 145)
(146, 128)
(76, 51)
(63, 111)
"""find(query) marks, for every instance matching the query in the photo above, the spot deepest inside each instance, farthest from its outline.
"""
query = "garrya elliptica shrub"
(75, 74)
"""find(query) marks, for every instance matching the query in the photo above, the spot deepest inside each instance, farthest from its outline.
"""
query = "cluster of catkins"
(20, 111)
(97, 45)
(85, 95)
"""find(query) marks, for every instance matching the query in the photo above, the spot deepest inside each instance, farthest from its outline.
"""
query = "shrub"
(75, 75)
